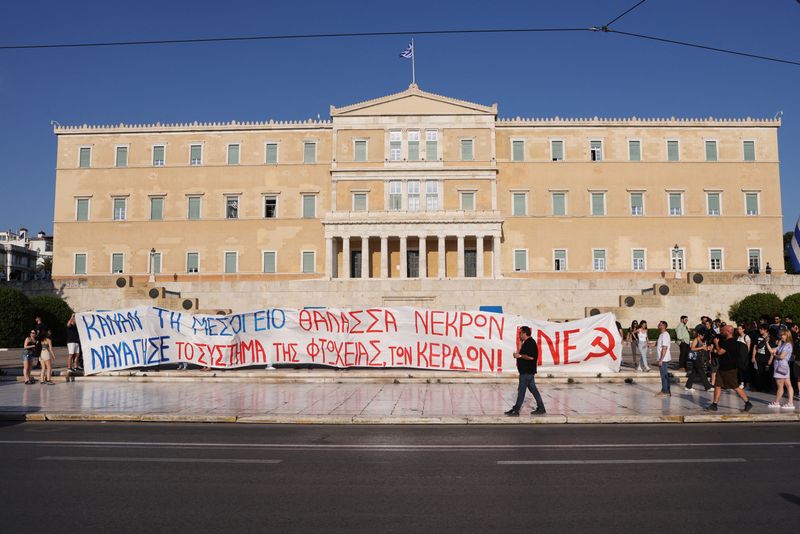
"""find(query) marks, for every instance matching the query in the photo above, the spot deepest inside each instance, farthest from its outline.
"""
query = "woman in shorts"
(782, 355)
(47, 360)
(28, 356)
(73, 344)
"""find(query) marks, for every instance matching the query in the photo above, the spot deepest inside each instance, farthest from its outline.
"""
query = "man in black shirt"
(728, 376)
(760, 358)
(527, 359)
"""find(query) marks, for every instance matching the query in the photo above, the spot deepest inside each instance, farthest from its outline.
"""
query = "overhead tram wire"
(625, 13)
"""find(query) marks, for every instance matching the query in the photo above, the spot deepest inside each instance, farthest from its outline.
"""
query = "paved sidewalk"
(366, 403)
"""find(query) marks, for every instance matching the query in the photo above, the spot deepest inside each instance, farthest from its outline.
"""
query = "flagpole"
(413, 69)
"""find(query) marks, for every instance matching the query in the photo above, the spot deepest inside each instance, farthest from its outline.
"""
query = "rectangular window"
(157, 263)
(270, 261)
(309, 152)
(413, 195)
(192, 262)
(309, 206)
(754, 259)
(560, 260)
(196, 155)
(599, 259)
(432, 145)
(634, 150)
(559, 203)
(360, 150)
(676, 203)
(309, 261)
(120, 209)
(231, 262)
(231, 207)
(156, 208)
(637, 204)
(715, 259)
(85, 157)
(749, 150)
(638, 259)
(395, 145)
(714, 204)
(270, 206)
(598, 204)
(121, 159)
(117, 263)
(557, 150)
(413, 145)
(233, 154)
(395, 195)
(673, 151)
(359, 202)
(271, 150)
(711, 151)
(751, 203)
(520, 260)
(468, 201)
(466, 150)
(80, 263)
(519, 204)
(431, 196)
(677, 258)
(159, 155)
(194, 208)
(82, 209)
(517, 150)
(596, 150)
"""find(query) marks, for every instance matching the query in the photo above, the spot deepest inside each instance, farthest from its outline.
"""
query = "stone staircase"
(654, 297)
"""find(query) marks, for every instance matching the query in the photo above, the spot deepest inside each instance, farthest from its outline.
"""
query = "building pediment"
(413, 101)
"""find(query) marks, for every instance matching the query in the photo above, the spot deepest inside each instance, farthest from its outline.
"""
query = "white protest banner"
(372, 338)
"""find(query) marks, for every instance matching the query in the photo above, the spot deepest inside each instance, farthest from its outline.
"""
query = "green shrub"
(16, 317)
(754, 306)
(54, 313)
(791, 307)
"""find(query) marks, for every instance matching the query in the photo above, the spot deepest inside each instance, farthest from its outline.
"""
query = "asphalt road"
(120, 478)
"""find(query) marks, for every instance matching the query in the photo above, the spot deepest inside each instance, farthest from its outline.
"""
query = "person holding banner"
(527, 358)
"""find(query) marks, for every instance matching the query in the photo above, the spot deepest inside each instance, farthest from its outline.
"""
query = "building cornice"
(308, 124)
(639, 121)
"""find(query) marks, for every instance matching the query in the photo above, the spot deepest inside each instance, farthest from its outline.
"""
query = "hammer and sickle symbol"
(606, 345)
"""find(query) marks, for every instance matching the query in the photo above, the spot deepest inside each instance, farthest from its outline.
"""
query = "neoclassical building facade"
(417, 185)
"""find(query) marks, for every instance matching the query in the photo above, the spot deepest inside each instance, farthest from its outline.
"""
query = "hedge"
(752, 307)
(54, 313)
(16, 317)
(791, 307)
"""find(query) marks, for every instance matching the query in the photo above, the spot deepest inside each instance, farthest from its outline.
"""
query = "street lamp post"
(152, 277)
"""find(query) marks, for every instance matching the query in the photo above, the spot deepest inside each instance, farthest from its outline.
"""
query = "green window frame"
(196, 155)
(749, 149)
(467, 150)
(711, 150)
(309, 206)
(85, 157)
(193, 212)
(231, 262)
(559, 203)
(598, 204)
(637, 204)
(159, 155)
(121, 158)
(519, 203)
(634, 150)
(192, 262)
(117, 263)
(751, 204)
(233, 154)
(270, 261)
(714, 201)
(271, 153)
(673, 150)
(360, 150)
(557, 150)
(82, 209)
(309, 261)
(156, 208)
(80, 263)
(309, 152)
(520, 260)
(517, 150)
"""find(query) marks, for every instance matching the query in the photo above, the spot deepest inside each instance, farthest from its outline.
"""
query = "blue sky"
(533, 75)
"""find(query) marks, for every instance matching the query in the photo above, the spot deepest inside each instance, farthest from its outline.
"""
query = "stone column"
(442, 266)
(329, 258)
(364, 257)
(497, 267)
(479, 256)
(384, 257)
(460, 256)
(345, 258)
(403, 256)
(423, 257)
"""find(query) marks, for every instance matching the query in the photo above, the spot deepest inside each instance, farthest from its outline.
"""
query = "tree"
(54, 313)
(16, 317)
(752, 307)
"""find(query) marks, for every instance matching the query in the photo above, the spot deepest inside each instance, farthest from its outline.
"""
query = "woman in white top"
(782, 355)
(643, 342)
(47, 359)
(744, 357)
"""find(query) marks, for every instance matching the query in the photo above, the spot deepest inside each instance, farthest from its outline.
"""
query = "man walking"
(527, 359)
(664, 357)
(684, 340)
(727, 376)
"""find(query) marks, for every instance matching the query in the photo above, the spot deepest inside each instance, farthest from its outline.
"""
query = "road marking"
(163, 460)
(387, 447)
(653, 461)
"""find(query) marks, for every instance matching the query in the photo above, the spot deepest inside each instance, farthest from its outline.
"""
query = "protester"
(775, 327)
(643, 344)
(663, 358)
(527, 360)
(684, 340)
(696, 362)
(47, 359)
(73, 344)
(727, 355)
(743, 357)
(761, 358)
(634, 341)
(783, 354)
(29, 348)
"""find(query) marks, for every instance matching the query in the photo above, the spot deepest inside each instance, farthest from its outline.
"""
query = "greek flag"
(408, 53)
(794, 247)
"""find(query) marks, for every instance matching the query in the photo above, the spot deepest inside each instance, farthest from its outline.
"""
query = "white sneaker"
(688, 389)
(773, 405)
(741, 385)
(787, 406)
